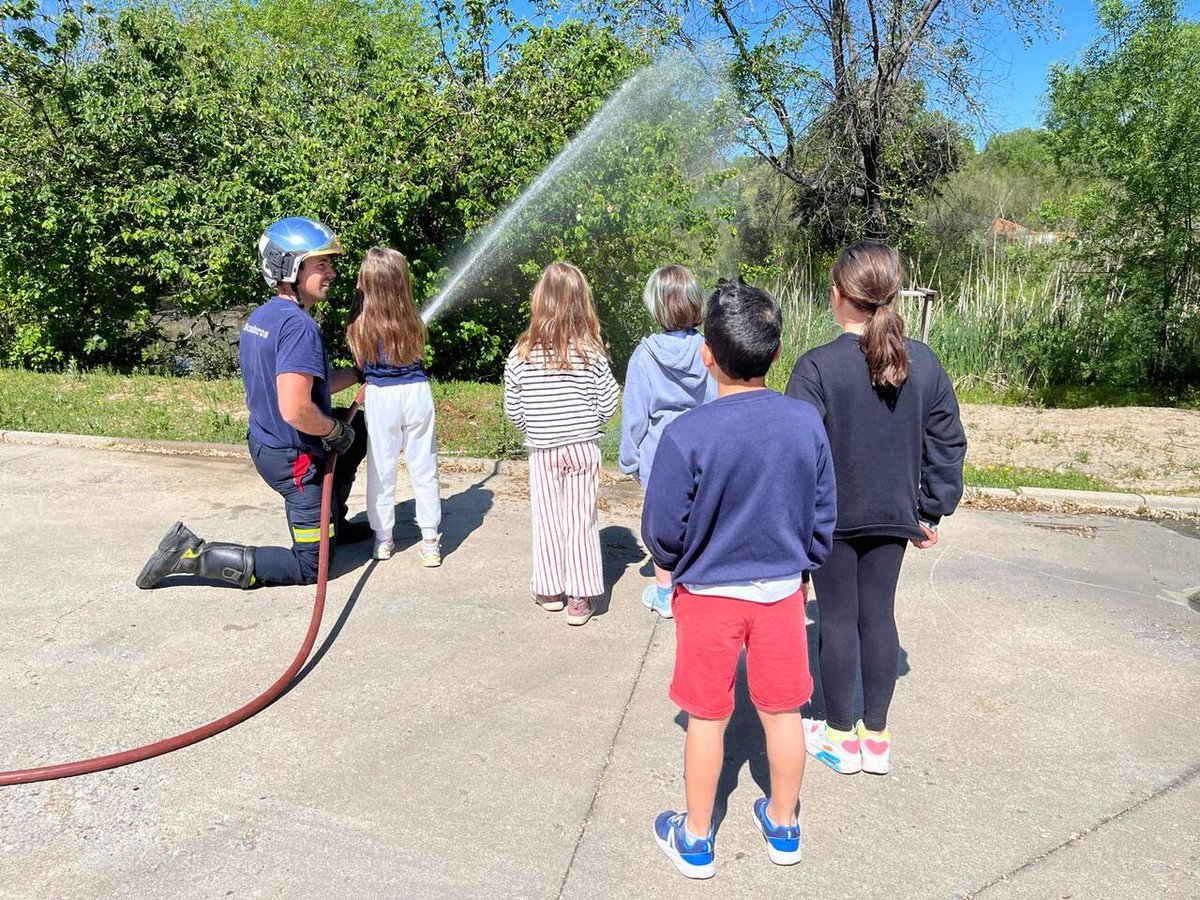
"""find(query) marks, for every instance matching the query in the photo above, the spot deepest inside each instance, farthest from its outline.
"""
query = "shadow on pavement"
(462, 514)
(745, 743)
(333, 632)
(619, 549)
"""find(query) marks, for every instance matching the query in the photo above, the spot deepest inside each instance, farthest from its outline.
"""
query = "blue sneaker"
(658, 599)
(694, 859)
(783, 841)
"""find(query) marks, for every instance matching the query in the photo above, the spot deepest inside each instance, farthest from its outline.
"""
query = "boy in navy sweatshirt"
(740, 506)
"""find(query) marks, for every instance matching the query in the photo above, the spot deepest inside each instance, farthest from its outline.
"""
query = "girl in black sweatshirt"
(898, 446)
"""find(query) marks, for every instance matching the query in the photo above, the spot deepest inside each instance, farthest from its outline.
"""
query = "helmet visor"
(333, 248)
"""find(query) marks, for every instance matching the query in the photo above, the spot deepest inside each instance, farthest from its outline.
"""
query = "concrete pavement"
(453, 741)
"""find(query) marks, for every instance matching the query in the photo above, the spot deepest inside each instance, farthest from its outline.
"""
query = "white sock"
(429, 534)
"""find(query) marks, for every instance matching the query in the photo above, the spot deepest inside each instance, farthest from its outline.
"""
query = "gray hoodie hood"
(678, 353)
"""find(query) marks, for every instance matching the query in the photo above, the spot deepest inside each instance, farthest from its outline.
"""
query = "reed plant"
(992, 327)
(807, 319)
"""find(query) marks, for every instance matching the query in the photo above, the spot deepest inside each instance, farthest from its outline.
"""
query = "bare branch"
(776, 104)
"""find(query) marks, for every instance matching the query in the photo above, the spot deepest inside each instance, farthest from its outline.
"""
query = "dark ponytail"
(867, 274)
(887, 354)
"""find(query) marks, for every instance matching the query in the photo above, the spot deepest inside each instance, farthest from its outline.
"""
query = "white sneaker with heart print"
(876, 747)
(837, 749)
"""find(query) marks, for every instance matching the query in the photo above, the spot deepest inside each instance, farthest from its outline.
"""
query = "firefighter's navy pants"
(297, 477)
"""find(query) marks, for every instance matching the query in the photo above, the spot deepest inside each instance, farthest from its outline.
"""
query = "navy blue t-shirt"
(280, 337)
(742, 489)
(383, 373)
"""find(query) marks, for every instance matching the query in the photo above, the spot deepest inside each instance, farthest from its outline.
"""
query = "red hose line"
(168, 745)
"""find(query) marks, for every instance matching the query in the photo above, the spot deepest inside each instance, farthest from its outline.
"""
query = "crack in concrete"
(1079, 836)
(12, 459)
(608, 757)
(1010, 651)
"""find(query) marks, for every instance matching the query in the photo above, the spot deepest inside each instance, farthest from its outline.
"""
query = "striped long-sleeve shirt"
(555, 407)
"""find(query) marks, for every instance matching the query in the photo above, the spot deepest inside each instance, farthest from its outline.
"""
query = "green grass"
(470, 418)
(1091, 396)
(471, 422)
(991, 396)
(153, 407)
(136, 406)
(994, 330)
(1013, 477)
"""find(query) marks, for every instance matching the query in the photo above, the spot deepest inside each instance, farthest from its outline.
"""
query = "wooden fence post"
(927, 297)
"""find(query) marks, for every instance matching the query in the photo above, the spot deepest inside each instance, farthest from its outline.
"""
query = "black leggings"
(856, 599)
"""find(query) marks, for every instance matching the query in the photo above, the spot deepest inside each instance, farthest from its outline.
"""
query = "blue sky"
(1018, 77)
(1015, 75)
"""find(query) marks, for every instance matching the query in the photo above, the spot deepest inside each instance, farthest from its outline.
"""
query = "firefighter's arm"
(297, 407)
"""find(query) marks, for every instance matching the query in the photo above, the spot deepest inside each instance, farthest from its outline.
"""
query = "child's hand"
(931, 538)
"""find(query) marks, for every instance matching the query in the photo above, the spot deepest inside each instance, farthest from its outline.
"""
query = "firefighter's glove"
(340, 439)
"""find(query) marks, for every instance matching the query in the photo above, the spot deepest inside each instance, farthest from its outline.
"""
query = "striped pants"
(563, 482)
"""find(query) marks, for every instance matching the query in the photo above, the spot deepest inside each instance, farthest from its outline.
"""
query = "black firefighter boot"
(345, 531)
(180, 552)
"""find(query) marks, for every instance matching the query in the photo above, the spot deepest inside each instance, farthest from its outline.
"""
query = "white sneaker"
(430, 553)
(383, 549)
(837, 749)
(876, 749)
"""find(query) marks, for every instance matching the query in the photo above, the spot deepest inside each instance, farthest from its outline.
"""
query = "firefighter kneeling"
(293, 427)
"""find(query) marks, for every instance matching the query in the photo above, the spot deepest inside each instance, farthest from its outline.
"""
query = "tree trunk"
(872, 194)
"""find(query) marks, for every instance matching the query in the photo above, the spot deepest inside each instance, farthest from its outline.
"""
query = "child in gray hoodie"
(665, 378)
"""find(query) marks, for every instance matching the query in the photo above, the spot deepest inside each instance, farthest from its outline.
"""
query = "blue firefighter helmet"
(287, 243)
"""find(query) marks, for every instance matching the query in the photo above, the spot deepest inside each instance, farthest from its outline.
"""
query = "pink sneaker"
(839, 750)
(579, 610)
(549, 603)
(876, 749)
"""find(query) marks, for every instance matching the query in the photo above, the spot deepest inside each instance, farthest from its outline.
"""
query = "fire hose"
(259, 703)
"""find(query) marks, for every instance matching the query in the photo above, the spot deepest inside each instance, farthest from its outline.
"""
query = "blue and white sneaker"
(658, 599)
(693, 858)
(783, 841)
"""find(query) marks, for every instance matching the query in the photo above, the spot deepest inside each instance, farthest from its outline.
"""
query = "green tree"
(833, 93)
(143, 149)
(1129, 116)
(153, 145)
(644, 188)
(1014, 177)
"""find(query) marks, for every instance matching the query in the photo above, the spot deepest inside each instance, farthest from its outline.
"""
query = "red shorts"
(710, 633)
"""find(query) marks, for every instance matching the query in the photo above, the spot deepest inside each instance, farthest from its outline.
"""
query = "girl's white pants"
(400, 418)
(563, 483)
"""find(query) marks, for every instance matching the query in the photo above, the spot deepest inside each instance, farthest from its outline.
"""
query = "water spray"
(644, 93)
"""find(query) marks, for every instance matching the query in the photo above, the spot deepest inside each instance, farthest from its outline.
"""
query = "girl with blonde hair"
(387, 337)
(559, 391)
(666, 377)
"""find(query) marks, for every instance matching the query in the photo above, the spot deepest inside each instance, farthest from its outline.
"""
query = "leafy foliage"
(832, 94)
(145, 148)
(1129, 116)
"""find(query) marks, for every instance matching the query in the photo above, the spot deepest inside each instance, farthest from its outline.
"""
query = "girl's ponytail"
(867, 275)
(883, 342)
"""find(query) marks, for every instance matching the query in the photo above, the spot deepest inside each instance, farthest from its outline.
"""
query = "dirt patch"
(1133, 448)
